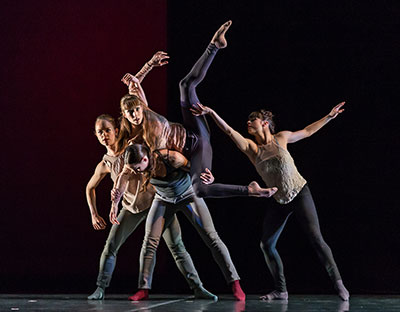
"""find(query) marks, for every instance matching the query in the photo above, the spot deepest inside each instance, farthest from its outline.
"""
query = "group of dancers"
(159, 167)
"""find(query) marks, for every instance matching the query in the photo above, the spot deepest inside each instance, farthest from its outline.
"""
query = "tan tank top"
(276, 167)
(132, 200)
(159, 133)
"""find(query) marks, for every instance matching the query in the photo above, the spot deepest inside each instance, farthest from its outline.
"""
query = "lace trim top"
(276, 167)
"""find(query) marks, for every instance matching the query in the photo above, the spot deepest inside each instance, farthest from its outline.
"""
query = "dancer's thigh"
(198, 214)
(172, 232)
(306, 213)
(275, 218)
(128, 223)
(200, 160)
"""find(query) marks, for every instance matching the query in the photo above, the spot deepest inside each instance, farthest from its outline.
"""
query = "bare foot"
(257, 191)
(342, 292)
(275, 295)
(219, 37)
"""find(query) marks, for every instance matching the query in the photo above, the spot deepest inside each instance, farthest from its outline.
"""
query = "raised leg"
(200, 152)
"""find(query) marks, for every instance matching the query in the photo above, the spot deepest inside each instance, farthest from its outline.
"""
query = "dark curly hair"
(264, 115)
(133, 155)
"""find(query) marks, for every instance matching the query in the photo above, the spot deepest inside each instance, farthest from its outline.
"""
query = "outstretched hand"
(200, 109)
(336, 110)
(159, 59)
(207, 177)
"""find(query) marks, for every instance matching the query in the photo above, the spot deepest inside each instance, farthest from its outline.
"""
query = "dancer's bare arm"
(120, 186)
(127, 178)
(247, 146)
(135, 88)
(176, 159)
(133, 82)
(100, 172)
(291, 137)
(160, 58)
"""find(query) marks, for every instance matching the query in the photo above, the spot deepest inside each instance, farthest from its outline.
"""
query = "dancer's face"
(254, 125)
(134, 115)
(142, 165)
(105, 132)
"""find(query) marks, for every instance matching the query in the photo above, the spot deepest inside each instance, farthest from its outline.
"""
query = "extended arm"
(292, 137)
(160, 58)
(133, 82)
(247, 146)
(99, 174)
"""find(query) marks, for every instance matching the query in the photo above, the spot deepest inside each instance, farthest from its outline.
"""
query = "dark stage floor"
(176, 303)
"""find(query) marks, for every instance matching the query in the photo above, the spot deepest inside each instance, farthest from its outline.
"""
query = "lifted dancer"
(192, 138)
(269, 154)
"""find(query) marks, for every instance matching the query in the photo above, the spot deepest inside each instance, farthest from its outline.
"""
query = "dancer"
(193, 138)
(173, 192)
(135, 209)
(275, 165)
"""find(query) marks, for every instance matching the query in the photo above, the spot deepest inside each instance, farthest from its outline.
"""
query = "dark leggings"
(303, 207)
(198, 147)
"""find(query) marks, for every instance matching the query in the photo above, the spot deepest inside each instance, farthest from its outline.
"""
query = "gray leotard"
(176, 184)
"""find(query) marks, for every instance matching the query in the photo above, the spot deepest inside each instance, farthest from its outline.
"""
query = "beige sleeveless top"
(132, 200)
(276, 167)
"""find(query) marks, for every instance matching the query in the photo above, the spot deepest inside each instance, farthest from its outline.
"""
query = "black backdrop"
(61, 68)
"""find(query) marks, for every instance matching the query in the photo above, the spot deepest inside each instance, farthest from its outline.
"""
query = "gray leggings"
(172, 237)
(161, 215)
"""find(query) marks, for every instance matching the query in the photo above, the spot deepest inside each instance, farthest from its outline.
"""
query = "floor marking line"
(158, 304)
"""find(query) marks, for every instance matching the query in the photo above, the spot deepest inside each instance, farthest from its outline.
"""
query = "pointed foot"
(219, 37)
(257, 191)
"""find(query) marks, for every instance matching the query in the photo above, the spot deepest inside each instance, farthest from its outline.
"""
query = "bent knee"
(184, 84)
(318, 242)
(178, 247)
(267, 246)
(187, 85)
